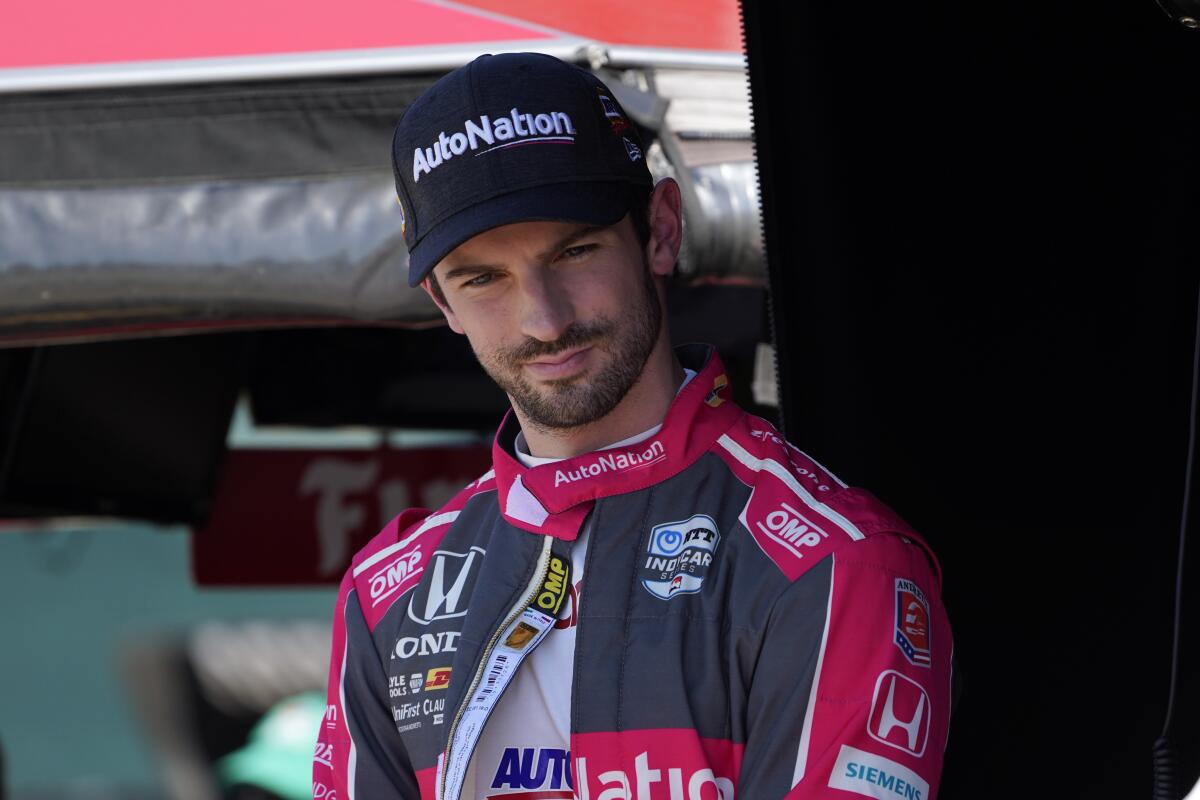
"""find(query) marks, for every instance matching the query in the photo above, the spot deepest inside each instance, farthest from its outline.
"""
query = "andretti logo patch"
(679, 555)
(912, 623)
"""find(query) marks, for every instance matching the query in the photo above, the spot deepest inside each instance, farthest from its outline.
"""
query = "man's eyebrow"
(465, 270)
(578, 233)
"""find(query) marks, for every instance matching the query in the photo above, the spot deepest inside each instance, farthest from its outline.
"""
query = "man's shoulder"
(799, 512)
(392, 562)
(760, 449)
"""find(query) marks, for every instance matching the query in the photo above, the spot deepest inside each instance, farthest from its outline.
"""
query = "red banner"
(55, 33)
(297, 516)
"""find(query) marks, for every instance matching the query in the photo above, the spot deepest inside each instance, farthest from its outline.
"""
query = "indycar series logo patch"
(679, 555)
(912, 623)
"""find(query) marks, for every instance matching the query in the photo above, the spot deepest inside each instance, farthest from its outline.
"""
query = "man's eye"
(479, 280)
(578, 251)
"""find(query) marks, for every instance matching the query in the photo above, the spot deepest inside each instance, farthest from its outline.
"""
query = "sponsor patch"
(912, 623)
(499, 133)
(616, 120)
(546, 769)
(623, 461)
(900, 713)
(405, 713)
(669, 771)
(427, 644)
(521, 635)
(437, 678)
(678, 556)
(568, 617)
(790, 528)
(632, 150)
(554, 587)
(397, 576)
(443, 593)
(870, 775)
(714, 399)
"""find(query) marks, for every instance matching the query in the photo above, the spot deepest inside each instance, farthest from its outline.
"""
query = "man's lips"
(559, 365)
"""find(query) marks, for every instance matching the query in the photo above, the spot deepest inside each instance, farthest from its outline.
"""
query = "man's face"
(562, 316)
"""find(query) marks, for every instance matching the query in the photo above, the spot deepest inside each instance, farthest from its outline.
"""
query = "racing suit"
(749, 626)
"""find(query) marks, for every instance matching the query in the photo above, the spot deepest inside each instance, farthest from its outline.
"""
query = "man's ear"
(451, 319)
(666, 227)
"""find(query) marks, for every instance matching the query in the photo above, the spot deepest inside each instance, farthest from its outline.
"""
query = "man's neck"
(643, 407)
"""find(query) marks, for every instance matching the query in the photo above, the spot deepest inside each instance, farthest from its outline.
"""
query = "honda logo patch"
(444, 592)
(900, 713)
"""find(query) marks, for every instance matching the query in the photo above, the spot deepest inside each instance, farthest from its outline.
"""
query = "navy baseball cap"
(511, 138)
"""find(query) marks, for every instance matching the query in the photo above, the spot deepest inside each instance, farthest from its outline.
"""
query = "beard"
(627, 340)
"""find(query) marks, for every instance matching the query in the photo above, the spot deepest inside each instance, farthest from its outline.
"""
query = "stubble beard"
(560, 405)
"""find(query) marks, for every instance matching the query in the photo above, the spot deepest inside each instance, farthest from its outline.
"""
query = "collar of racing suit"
(555, 498)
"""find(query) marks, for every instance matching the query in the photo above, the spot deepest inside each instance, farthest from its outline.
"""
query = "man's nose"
(546, 311)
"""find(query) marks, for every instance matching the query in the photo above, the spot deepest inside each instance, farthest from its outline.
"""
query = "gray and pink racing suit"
(749, 626)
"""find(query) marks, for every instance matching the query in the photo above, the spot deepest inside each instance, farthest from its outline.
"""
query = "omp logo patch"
(397, 575)
(875, 776)
(912, 623)
(791, 529)
(554, 588)
(678, 556)
(786, 525)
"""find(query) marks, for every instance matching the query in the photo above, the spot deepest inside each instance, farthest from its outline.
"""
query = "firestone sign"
(297, 516)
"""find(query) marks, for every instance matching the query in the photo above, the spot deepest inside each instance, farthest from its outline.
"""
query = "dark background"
(981, 224)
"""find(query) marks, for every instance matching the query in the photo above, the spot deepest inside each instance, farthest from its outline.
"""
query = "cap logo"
(513, 130)
(612, 113)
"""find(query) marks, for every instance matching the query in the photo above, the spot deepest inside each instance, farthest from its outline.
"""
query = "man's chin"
(563, 405)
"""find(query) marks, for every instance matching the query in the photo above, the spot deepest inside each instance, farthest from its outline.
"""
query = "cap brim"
(591, 203)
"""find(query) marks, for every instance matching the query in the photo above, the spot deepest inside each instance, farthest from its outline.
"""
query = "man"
(651, 594)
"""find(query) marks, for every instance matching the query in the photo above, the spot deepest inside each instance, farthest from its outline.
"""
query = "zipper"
(587, 565)
(539, 575)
